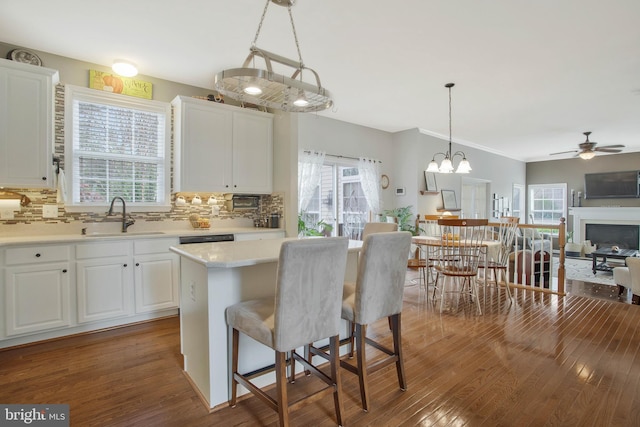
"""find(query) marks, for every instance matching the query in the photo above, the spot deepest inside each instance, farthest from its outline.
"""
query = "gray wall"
(572, 172)
(405, 155)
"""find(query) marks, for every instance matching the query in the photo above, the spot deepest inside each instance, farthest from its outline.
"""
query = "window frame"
(530, 190)
(76, 93)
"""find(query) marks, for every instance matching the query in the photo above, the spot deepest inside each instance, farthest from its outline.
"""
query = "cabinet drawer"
(101, 250)
(37, 254)
(153, 246)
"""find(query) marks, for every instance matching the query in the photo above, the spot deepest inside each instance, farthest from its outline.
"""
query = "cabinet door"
(252, 152)
(36, 298)
(26, 120)
(156, 282)
(203, 146)
(105, 288)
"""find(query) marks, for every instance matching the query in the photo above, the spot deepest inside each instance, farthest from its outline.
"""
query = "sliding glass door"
(338, 202)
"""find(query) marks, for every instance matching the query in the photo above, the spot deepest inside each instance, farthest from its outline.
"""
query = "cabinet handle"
(37, 255)
(64, 271)
(44, 178)
(137, 264)
(124, 265)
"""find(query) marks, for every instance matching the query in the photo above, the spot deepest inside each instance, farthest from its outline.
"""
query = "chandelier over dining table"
(447, 162)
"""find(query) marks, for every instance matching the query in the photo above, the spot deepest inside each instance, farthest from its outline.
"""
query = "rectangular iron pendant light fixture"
(266, 88)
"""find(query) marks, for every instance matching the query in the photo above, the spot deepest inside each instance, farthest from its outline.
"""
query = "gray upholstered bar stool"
(377, 294)
(306, 308)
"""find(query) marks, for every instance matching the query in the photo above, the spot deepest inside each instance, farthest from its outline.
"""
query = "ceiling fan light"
(587, 155)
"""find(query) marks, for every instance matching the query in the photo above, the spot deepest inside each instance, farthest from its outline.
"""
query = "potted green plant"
(570, 248)
(405, 219)
(320, 228)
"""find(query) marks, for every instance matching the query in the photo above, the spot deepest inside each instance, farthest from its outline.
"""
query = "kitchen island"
(214, 276)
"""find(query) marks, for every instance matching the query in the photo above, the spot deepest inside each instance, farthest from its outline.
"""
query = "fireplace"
(607, 235)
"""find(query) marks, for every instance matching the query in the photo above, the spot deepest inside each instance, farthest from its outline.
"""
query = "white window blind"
(117, 147)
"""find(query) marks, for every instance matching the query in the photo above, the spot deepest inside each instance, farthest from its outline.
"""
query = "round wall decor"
(22, 55)
(384, 181)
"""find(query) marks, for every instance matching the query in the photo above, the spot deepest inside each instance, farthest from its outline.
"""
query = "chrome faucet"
(125, 222)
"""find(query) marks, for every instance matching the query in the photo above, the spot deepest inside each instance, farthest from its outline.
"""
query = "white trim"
(74, 93)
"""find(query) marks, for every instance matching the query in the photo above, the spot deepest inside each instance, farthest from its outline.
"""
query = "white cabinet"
(104, 280)
(222, 148)
(26, 124)
(157, 275)
(37, 289)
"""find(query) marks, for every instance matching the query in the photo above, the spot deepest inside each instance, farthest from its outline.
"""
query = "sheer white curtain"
(309, 174)
(369, 172)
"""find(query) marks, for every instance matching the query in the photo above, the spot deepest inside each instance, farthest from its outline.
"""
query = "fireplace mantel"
(602, 215)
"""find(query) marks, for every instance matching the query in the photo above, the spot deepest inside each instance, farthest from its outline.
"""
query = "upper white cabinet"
(26, 124)
(221, 148)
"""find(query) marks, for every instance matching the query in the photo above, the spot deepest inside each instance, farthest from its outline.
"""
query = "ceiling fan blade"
(613, 146)
(608, 150)
(564, 152)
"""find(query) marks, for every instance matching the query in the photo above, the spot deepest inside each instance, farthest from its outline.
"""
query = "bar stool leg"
(361, 333)
(234, 367)
(281, 386)
(397, 349)
(334, 344)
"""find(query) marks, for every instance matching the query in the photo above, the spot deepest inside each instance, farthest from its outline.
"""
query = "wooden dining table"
(490, 248)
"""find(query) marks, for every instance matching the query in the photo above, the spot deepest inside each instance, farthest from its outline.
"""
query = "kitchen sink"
(128, 233)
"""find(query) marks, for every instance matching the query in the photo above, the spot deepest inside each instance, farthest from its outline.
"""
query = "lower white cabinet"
(37, 298)
(51, 290)
(157, 275)
(104, 281)
(36, 289)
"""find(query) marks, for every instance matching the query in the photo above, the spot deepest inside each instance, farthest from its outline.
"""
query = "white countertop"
(69, 236)
(239, 254)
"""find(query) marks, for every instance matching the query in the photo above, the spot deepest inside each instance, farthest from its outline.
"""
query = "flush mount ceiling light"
(268, 89)
(124, 68)
(447, 163)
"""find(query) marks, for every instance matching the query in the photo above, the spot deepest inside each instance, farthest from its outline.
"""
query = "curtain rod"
(343, 157)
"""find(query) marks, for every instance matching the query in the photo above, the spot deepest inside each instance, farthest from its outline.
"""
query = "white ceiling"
(530, 76)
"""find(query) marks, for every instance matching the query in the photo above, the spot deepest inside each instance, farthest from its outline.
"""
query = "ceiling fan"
(588, 149)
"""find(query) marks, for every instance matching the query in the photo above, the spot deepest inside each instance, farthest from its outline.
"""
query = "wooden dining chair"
(498, 266)
(459, 258)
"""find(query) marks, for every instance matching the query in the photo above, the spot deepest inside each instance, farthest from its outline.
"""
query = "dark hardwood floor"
(543, 360)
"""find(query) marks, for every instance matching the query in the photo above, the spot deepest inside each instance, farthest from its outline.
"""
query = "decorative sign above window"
(118, 84)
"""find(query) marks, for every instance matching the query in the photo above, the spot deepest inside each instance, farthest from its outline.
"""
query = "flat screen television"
(610, 185)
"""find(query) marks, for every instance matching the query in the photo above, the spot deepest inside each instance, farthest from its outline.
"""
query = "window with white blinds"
(116, 146)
